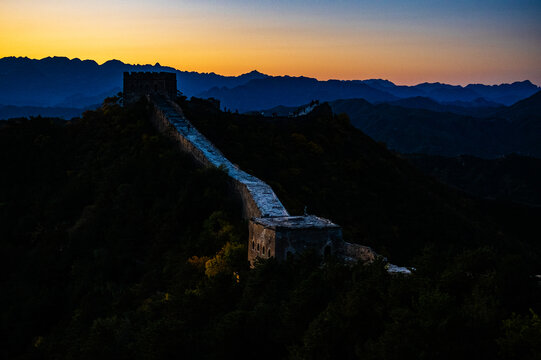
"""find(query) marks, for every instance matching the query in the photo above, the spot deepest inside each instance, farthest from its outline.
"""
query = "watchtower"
(138, 84)
(282, 236)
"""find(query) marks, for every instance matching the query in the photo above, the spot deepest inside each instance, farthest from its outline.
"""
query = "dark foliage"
(510, 178)
(116, 246)
(96, 215)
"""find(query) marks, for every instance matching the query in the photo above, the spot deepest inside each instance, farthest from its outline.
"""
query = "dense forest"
(512, 178)
(115, 245)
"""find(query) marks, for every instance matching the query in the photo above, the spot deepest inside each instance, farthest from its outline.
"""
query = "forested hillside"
(116, 246)
(321, 161)
(511, 178)
(500, 132)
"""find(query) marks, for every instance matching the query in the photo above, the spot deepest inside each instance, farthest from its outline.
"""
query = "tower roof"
(295, 222)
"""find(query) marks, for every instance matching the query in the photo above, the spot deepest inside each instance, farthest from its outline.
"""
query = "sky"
(407, 42)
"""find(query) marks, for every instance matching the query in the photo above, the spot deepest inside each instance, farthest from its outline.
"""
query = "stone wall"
(258, 199)
(272, 231)
(261, 242)
(279, 237)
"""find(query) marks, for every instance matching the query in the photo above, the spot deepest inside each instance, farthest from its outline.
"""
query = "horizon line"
(271, 75)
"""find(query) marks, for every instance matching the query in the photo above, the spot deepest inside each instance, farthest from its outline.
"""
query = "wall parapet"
(259, 200)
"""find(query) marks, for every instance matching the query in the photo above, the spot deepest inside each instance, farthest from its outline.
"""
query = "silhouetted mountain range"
(506, 94)
(59, 81)
(481, 108)
(290, 91)
(478, 108)
(514, 129)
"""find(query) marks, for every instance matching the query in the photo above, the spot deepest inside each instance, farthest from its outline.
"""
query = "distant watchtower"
(138, 84)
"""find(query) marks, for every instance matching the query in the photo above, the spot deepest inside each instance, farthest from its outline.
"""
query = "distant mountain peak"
(526, 82)
(381, 82)
(56, 59)
(254, 74)
(113, 62)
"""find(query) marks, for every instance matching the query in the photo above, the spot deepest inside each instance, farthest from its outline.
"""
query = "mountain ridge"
(76, 83)
(416, 130)
(255, 95)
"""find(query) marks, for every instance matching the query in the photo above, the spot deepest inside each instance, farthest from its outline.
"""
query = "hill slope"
(97, 214)
(115, 246)
(322, 162)
(478, 108)
(513, 129)
(511, 178)
(291, 91)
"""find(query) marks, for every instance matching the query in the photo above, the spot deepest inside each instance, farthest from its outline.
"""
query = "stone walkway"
(262, 194)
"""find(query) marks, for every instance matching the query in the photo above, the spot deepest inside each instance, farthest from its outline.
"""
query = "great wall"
(273, 232)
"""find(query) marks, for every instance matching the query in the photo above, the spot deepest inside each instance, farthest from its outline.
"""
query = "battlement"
(139, 84)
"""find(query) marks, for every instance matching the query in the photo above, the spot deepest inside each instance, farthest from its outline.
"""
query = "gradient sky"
(407, 42)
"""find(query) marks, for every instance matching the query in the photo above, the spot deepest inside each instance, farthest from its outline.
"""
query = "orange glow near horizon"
(203, 39)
